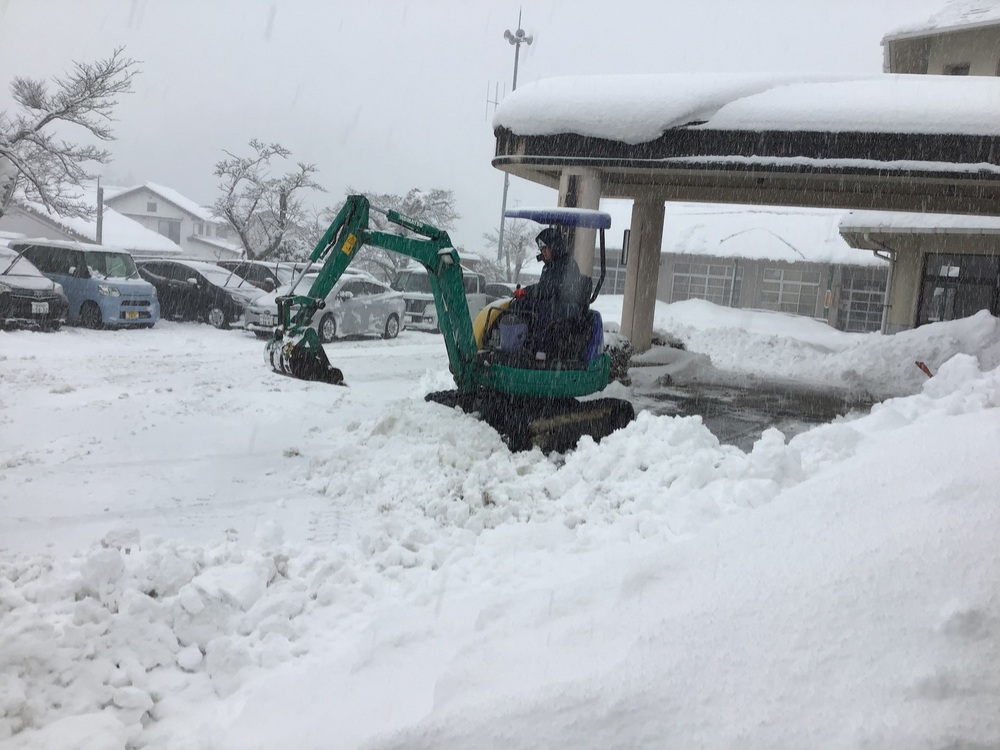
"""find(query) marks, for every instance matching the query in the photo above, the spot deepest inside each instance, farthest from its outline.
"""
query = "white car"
(358, 305)
(421, 311)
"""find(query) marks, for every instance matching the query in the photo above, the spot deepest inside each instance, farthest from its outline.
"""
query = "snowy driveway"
(197, 553)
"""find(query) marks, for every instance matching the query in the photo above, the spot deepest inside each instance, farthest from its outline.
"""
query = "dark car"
(499, 289)
(197, 290)
(262, 275)
(27, 298)
(268, 276)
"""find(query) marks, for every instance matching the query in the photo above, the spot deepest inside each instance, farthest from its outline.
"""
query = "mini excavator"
(529, 402)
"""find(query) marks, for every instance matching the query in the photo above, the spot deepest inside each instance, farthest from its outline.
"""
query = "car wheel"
(90, 315)
(327, 328)
(391, 327)
(216, 317)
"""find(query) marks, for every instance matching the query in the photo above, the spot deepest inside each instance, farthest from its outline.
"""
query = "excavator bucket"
(303, 359)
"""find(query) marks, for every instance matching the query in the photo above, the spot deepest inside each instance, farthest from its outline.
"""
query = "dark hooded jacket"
(561, 289)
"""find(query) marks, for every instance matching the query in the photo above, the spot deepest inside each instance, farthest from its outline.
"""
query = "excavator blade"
(555, 425)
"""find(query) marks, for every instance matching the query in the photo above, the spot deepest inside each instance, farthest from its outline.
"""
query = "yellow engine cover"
(486, 319)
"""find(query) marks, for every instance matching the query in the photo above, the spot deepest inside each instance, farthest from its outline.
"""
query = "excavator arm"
(295, 348)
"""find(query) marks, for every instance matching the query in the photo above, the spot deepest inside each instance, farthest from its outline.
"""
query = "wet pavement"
(738, 413)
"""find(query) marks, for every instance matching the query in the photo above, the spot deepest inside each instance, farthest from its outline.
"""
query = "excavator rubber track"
(553, 425)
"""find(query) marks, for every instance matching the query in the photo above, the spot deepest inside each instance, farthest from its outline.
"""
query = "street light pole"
(516, 39)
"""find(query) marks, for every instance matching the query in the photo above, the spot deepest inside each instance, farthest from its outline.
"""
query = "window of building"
(614, 273)
(790, 290)
(862, 298)
(199, 228)
(959, 69)
(957, 286)
(170, 228)
(150, 207)
(708, 281)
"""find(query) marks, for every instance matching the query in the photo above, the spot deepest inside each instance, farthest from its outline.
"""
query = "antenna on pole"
(495, 101)
(516, 39)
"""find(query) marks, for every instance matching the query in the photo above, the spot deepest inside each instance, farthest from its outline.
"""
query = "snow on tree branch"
(34, 160)
(265, 211)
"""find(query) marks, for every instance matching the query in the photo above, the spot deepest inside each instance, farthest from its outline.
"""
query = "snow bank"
(410, 583)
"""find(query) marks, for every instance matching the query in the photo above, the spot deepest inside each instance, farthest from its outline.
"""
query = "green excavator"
(530, 402)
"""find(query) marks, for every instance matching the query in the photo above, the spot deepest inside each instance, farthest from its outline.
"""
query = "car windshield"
(223, 277)
(105, 265)
(412, 282)
(14, 264)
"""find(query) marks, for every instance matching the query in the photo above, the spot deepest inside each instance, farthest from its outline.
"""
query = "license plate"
(39, 308)
(131, 315)
(267, 320)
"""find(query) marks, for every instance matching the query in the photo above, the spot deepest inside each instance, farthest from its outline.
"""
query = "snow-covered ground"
(197, 553)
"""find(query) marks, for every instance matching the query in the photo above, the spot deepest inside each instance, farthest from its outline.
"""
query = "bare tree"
(519, 244)
(38, 164)
(435, 207)
(265, 211)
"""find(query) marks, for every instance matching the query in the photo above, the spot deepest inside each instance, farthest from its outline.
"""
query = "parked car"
(358, 305)
(421, 312)
(269, 276)
(28, 299)
(200, 291)
(499, 290)
(102, 285)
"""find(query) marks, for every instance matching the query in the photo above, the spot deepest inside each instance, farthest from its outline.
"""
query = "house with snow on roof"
(33, 220)
(160, 209)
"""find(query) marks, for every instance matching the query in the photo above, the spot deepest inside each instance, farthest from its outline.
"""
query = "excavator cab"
(512, 333)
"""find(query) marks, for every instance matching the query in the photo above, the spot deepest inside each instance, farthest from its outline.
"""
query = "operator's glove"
(520, 294)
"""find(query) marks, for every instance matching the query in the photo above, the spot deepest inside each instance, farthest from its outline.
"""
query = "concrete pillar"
(581, 188)
(641, 273)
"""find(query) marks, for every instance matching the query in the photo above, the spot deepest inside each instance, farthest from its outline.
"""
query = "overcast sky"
(388, 95)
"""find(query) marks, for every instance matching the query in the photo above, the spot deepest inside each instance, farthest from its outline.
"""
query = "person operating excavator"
(560, 293)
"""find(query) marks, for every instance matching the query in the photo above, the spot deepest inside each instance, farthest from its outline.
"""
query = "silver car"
(358, 305)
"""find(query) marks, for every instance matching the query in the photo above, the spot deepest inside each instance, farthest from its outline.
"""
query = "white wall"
(133, 205)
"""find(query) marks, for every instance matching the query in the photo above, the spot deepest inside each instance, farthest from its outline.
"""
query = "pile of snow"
(791, 348)
(249, 561)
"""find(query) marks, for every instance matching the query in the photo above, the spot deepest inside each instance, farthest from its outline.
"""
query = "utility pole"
(100, 212)
(516, 39)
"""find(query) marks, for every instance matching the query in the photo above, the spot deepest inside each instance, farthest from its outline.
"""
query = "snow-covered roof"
(914, 223)
(955, 15)
(168, 194)
(229, 247)
(749, 232)
(641, 108)
(118, 231)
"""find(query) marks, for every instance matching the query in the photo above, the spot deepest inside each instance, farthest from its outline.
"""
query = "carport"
(924, 144)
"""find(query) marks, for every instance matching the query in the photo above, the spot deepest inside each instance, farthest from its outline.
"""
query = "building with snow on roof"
(160, 209)
(30, 219)
(943, 266)
(963, 38)
(923, 144)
